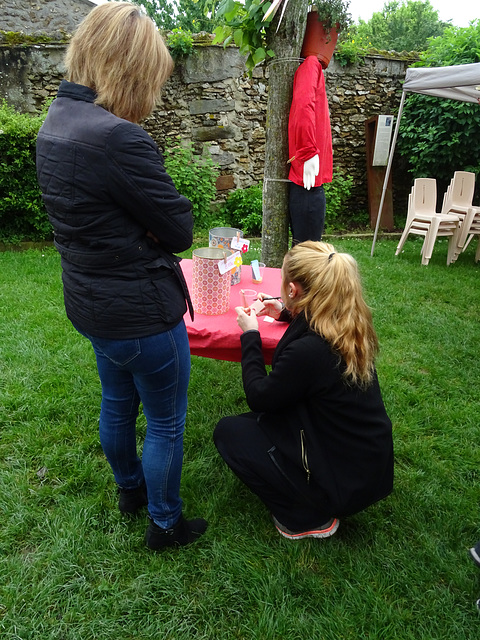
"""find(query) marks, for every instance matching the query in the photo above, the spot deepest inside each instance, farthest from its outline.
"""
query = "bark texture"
(286, 44)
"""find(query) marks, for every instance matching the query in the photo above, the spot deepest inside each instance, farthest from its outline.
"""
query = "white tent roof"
(460, 82)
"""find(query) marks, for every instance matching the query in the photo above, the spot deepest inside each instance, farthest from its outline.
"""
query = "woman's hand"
(246, 319)
(272, 308)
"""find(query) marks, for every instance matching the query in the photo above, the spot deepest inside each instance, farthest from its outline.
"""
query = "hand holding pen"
(273, 306)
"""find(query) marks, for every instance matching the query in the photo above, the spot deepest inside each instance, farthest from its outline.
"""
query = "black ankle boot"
(130, 501)
(182, 533)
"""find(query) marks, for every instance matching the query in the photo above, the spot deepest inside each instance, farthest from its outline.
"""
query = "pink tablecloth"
(218, 337)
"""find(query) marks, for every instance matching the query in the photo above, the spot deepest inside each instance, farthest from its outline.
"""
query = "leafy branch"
(245, 26)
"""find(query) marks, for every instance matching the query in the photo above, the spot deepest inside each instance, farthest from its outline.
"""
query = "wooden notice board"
(376, 177)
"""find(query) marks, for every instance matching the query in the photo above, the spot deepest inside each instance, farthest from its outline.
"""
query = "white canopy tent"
(460, 82)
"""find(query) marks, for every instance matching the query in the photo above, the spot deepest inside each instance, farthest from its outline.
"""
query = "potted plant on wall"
(325, 20)
(333, 13)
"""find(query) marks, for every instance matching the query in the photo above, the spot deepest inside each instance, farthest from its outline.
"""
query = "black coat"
(335, 439)
(105, 186)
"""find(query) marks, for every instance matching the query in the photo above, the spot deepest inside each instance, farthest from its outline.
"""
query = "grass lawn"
(71, 568)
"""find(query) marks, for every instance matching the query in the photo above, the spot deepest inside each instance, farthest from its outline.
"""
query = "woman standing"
(117, 218)
(318, 443)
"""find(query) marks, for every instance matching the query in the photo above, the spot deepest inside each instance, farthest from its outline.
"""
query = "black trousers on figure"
(307, 212)
(255, 460)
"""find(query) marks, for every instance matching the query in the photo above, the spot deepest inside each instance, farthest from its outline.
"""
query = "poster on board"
(382, 141)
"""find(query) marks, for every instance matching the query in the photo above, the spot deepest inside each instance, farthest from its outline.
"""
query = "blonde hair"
(118, 52)
(333, 304)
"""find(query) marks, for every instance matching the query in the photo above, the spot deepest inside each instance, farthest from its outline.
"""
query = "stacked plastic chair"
(423, 219)
(458, 197)
(458, 200)
(470, 227)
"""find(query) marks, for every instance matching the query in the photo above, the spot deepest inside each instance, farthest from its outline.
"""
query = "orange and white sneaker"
(323, 531)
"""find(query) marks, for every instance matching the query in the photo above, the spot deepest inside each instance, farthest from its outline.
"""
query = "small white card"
(233, 260)
(257, 306)
(255, 270)
(242, 244)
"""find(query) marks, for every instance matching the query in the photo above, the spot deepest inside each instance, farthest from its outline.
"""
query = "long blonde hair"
(333, 304)
(118, 52)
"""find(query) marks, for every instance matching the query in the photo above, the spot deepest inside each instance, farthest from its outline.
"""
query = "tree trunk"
(286, 44)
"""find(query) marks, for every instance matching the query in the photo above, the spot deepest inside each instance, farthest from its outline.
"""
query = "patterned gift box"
(221, 237)
(210, 290)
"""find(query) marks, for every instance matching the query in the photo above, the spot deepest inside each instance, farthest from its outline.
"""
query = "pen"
(271, 298)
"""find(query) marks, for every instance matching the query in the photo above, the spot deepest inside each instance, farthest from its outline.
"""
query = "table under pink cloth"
(218, 337)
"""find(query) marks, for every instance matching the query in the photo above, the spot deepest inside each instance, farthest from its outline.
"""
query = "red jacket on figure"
(309, 131)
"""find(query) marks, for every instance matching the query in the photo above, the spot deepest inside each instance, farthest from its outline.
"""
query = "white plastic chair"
(458, 200)
(459, 195)
(470, 227)
(423, 219)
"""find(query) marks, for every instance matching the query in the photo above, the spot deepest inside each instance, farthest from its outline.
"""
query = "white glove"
(310, 172)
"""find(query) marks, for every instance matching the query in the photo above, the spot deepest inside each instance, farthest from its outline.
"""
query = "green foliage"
(456, 46)
(351, 50)
(243, 26)
(187, 15)
(194, 177)
(337, 193)
(160, 11)
(402, 26)
(436, 135)
(180, 43)
(243, 210)
(334, 13)
(22, 212)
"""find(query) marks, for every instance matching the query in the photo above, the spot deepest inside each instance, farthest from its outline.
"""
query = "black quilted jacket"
(105, 187)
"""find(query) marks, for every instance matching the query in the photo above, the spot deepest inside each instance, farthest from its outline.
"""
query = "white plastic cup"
(247, 297)
(257, 278)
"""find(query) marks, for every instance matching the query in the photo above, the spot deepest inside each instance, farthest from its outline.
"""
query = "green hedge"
(243, 210)
(195, 178)
(22, 212)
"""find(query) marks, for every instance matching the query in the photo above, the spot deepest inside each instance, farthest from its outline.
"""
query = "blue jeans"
(155, 371)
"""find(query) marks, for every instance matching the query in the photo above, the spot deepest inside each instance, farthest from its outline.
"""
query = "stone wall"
(29, 75)
(210, 101)
(356, 94)
(54, 18)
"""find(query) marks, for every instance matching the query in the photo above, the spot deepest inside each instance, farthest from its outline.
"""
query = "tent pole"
(387, 172)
